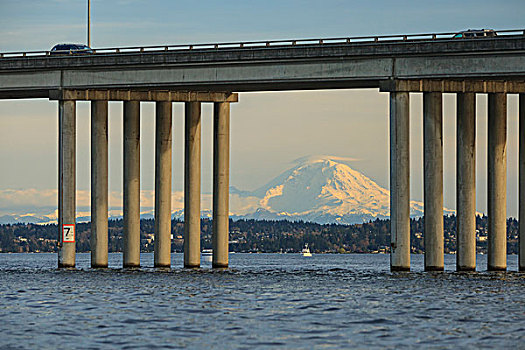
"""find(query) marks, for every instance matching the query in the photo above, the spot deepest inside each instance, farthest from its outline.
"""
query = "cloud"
(12, 199)
(313, 158)
(45, 202)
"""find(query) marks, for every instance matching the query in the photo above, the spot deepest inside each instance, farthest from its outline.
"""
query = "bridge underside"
(513, 86)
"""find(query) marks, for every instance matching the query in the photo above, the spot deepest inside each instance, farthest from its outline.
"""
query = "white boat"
(207, 254)
(306, 251)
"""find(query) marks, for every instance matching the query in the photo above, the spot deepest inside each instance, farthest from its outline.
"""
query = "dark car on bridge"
(71, 49)
(475, 33)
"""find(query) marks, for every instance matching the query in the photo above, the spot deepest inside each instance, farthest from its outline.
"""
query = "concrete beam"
(433, 180)
(466, 182)
(221, 180)
(275, 51)
(354, 65)
(400, 181)
(99, 184)
(264, 68)
(192, 185)
(163, 146)
(453, 86)
(497, 182)
(149, 95)
(66, 183)
(227, 56)
(131, 179)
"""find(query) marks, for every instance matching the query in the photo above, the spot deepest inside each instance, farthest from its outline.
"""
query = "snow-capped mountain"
(324, 190)
(320, 189)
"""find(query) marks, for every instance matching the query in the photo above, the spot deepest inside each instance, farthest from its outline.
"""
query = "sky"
(269, 130)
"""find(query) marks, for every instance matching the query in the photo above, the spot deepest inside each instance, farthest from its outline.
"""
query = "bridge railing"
(270, 43)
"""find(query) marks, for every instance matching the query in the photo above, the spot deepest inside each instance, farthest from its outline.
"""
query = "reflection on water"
(337, 301)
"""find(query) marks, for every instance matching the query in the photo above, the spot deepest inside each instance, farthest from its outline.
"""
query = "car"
(71, 49)
(475, 33)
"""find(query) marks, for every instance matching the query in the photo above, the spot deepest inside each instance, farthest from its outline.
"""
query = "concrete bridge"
(429, 63)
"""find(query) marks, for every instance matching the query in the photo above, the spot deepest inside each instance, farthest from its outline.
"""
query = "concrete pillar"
(192, 185)
(497, 182)
(466, 182)
(66, 182)
(131, 174)
(433, 180)
(399, 181)
(521, 256)
(163, 147)
(99, 184)
(221, 181)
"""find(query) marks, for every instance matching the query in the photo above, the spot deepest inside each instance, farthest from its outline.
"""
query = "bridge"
(433, 64)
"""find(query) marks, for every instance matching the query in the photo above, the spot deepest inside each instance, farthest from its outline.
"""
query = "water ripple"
(281, 300)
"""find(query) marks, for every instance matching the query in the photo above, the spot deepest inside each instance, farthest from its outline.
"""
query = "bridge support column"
(99, 184)
(433, 180)
(131, 179)
(221, 180)
(466, 182)
(66, 182)
(521, 256)
(497, 182)
(192, 185)
(163, 145)
(399, 181)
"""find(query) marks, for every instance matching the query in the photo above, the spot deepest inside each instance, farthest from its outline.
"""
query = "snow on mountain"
(320, 189)
(324, 190)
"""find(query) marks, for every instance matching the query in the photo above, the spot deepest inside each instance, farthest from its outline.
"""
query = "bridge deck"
(269, 67)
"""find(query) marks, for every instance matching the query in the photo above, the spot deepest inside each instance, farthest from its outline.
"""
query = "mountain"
(324, 190)
(320, 189)
(27, 219)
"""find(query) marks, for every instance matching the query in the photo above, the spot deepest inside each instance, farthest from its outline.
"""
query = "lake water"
(262, 301)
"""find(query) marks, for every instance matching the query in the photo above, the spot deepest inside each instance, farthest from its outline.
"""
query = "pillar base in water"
(67, 266)
(99, 266)
(131, 266)
(218, 266)
(466, 269)
(163, 266)
(188, 266)
(399, 268)
(434, 268)
(496, 268)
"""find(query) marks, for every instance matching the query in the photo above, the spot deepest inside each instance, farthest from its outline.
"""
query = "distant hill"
(256, 236)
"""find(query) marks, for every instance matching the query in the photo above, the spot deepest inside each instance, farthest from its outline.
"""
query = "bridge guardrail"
(270, 43)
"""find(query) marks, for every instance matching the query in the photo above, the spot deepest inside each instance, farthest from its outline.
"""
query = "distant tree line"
(256, 236)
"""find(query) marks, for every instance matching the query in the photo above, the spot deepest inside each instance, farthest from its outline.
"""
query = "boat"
(207, 254)
(306, 251)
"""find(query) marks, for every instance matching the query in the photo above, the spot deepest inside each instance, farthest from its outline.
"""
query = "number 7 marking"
(68, 233)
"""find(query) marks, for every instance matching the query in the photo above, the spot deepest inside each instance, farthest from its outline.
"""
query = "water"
(264, 300)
